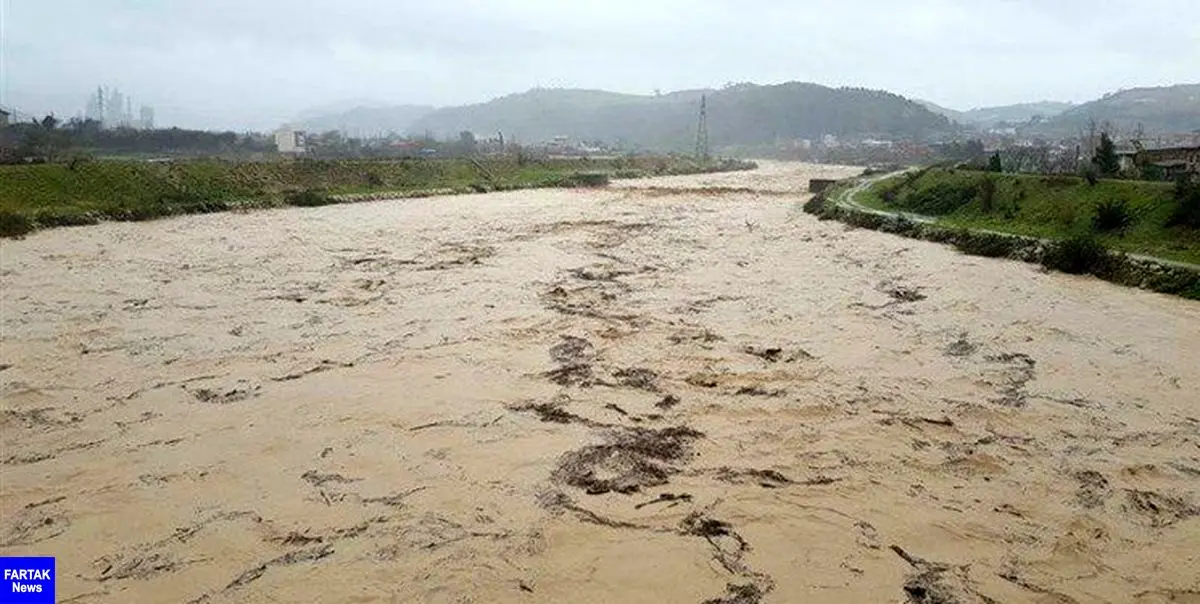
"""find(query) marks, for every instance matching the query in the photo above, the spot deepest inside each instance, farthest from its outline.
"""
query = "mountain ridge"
(749, 114)
(987, 117)
(742, 114)
(1154, 109)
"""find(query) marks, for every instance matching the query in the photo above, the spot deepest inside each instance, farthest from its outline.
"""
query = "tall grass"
(43, 195)
(1133, 216)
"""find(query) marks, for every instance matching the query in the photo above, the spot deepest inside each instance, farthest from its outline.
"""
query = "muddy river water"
(673, 390)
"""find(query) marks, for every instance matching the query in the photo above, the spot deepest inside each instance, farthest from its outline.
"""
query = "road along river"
(673, 390)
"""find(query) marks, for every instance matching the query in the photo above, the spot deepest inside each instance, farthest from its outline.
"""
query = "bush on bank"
(1081, 254)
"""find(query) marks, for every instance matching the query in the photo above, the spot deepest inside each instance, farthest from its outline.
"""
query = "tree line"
(51, 140)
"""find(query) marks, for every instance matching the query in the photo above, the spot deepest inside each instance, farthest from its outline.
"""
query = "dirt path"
(663, 392)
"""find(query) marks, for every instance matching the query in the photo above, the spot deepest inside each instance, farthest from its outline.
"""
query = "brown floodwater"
(673, 390)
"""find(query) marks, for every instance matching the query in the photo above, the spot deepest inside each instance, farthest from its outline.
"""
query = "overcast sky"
(252, 64)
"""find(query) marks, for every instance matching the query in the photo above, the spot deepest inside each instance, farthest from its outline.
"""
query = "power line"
(702, 130)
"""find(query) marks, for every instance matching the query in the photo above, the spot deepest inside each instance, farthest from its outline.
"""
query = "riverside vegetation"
(45, 195)
(1114, 229)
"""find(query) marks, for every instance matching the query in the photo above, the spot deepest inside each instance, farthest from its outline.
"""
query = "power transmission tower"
(702, 130)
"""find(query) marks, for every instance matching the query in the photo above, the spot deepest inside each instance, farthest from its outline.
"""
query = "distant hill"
(1168, 109)
(987, 117)
(951, 114)
(745, 114)
(1015, 114)
(363, 120)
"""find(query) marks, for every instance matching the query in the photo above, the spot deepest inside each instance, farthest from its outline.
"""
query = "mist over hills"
(750, 114)
(743, 114)
(1164, 109)
(987, 117)
(362, 120)
(1156, 110)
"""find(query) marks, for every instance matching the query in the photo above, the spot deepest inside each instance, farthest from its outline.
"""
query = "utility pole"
(702, 131)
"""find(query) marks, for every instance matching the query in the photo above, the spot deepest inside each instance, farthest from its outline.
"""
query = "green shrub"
(1059, 181)
(994, 164)
(1112, 215)
(1153, 172)
(1012, 210)
(816, 205)
(1105, 159)
(138, 213)
(987, 193)
(14, 225)
(48, 217)
(1187, 204)
(1078, 255)
(586, 179)
(1065, 215)
(308, 198)
(177, 197)
(940, 198)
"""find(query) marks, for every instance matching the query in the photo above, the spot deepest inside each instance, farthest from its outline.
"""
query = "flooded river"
(672, 390)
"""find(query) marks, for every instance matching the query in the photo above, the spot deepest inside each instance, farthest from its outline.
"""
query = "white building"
(288, 140)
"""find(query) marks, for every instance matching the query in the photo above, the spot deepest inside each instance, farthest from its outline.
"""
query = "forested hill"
(988, 117)
(1156, 110)
(745, 114)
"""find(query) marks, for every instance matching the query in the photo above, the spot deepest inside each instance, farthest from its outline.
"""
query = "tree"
(1187, 202)
(994, 163)
(975, 150)
(41, 141)
(466, 140)
(1105, 159)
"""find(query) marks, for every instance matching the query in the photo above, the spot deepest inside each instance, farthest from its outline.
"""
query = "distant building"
(146, 117)
(1171, 161)
(289, 140)
(111, 108)
(3, 118)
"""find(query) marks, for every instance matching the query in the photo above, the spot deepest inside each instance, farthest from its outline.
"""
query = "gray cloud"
(256, 63)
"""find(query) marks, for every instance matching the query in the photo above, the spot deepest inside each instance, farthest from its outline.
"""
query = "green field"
(1046, 206)
(43, 195)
